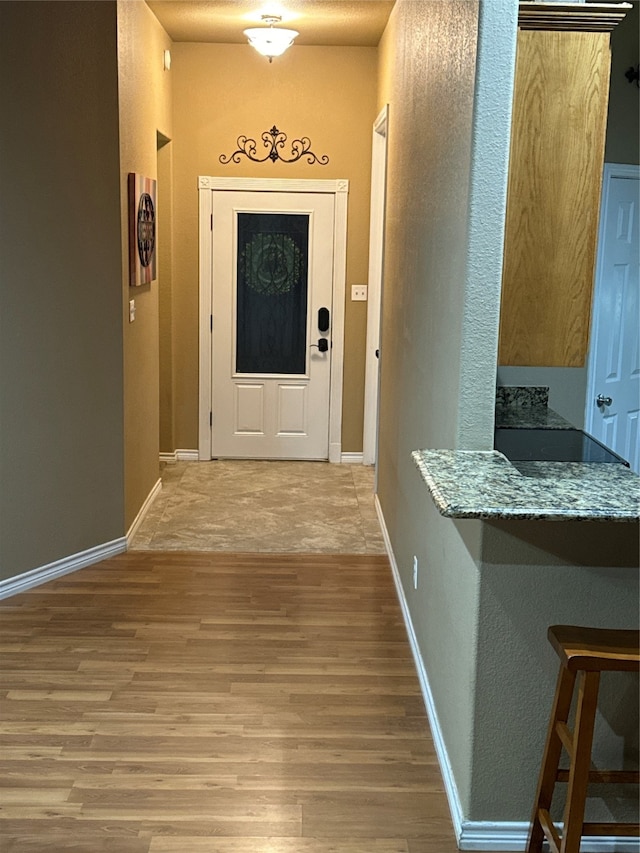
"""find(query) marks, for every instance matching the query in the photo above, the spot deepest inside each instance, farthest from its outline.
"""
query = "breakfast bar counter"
(485, 485)
(553, 471)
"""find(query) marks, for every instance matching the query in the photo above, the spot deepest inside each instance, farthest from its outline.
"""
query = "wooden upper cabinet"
(555, 174)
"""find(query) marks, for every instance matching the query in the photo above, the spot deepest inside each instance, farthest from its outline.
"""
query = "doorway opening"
(374, 306)
(612, 406)
(255, 409)
(166, 438)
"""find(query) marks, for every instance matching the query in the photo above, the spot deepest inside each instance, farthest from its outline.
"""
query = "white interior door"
(272, 261)
(613, 397)
(376, 259)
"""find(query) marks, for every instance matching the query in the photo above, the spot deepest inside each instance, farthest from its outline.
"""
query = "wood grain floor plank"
(277, 845)
(79, 843)
(164, 702)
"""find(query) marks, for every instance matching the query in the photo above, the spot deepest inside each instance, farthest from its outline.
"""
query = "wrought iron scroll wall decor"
(274, 140)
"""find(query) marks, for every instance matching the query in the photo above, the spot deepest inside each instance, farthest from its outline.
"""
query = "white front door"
(272, 263)
(613, 399)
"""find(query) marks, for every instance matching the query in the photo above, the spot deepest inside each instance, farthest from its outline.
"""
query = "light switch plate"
(132, 310)
(358, 292)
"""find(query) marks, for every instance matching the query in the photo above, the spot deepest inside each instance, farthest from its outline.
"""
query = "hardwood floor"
(216, 703)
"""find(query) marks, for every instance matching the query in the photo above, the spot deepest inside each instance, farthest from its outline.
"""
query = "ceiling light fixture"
(269, 41)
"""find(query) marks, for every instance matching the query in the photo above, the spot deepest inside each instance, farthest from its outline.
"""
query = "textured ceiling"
(328, 22)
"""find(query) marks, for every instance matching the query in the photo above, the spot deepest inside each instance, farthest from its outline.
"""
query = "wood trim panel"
(592, 17)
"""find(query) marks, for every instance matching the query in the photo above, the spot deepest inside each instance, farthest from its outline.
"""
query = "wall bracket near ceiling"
(274, 140)
(633, 74)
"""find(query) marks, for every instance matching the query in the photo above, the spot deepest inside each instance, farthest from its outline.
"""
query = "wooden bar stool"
(585, 652)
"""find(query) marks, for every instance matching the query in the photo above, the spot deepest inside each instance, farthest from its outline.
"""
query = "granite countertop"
(530, 418)
(484, 484)
(527, 408)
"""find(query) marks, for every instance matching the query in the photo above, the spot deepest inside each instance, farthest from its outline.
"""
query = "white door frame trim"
(340, 189)
(374, 304)
(611, 170)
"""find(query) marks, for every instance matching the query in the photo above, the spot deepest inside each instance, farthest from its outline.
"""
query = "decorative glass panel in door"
(271, 297)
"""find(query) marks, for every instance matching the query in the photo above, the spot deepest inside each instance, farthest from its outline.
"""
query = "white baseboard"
(438, 740)
(512, 836)
(36, 577)
(477, 835)
(334, 456)
(144, 509)
(180, 456)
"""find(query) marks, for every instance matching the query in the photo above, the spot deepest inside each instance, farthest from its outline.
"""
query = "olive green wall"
(61, 431)
(427, 71)
(222, 91)
(145, 109)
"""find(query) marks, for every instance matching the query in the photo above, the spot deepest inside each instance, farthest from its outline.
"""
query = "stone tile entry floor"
(254, 506)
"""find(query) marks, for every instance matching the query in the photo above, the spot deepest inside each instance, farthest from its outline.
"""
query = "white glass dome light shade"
(270, 41)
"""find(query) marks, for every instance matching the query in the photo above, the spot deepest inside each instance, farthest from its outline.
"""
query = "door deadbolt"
(323, 320)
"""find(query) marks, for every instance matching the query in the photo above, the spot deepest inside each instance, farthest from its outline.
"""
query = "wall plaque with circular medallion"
(142, 230)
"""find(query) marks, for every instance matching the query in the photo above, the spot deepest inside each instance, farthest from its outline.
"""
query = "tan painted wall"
(145, 108)
(223, 91)
(61, 322)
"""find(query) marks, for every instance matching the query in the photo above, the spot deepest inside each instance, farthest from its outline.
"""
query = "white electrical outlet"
(358, 292)
(415, 572)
